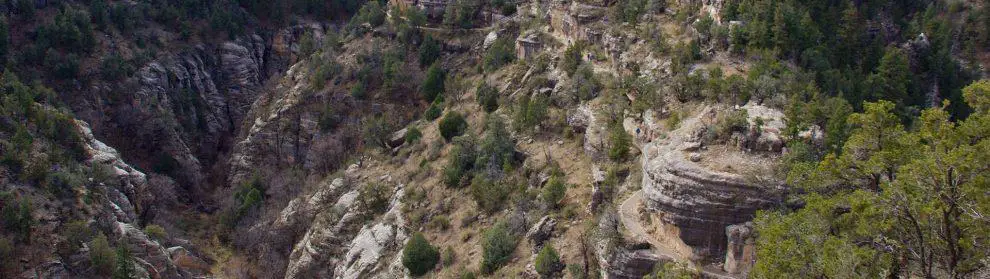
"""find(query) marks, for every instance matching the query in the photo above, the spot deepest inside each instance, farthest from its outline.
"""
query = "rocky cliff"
(178, 113)
(699, 198)
(296, 133)
(343, 241)
(114, 202)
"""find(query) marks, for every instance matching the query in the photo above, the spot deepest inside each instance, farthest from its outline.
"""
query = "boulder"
(541, 232)
(691, 146)
(695, 157)
(579, 119)
(528, 46)
(766, 125)
(813, 134)
(398, 137)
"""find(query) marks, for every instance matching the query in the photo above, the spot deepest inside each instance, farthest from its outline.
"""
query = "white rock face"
(130, 179)
(332, 249)
(594, 132)
(490, 39)
(151, 259)
(773, 119)
(713, 8)
(375, 242)
(156, 260)
(541, 232)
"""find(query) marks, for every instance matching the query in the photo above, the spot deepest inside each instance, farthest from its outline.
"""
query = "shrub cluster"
(484, 164)
(8, 256)
(429, 51)
(731, 122)
(248, 196)
(554, 191)
(374, 198)
(434, 110)
(487, 97)
(460, 162)
(452, 125)
(619, 142)
(530, 111)
(101, 255)
(419, 256)
(497, 246)
(572, 58)
(501, 53)
(16, 214)
(547, 261)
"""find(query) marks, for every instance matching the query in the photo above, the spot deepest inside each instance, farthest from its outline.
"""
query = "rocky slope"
(330, 235)
(115, 201)
(296, 134)
(266, 162)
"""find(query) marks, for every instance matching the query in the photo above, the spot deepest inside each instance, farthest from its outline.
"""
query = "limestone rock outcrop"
(699, 200)
(583, 119)
(148, 254)
(741, 251)
(633, 264)
(577, 21)
(618, 261)
(541, 232)
(117, 203)
(332, 247)
(766, 128)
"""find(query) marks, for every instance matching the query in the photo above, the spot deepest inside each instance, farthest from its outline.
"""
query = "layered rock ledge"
(701, 197)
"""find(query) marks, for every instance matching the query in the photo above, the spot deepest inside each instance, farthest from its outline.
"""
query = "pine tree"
(429, 51)
(101, 255)
(554, 191)
(547, 261)
(433, 85)
(619, 143)
(917, 197)
(125, 264)
(891, 81)
(4, 40)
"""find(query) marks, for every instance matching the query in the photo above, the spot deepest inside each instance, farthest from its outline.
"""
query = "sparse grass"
(440, 223)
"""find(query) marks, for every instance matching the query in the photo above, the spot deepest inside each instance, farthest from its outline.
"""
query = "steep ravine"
(178, 114)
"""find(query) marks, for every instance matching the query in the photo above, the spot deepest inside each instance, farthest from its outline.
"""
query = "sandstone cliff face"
(701, 201)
